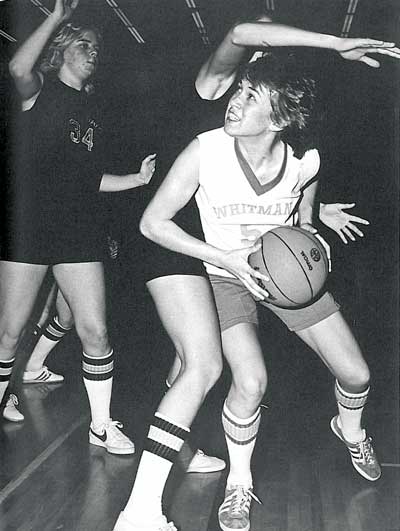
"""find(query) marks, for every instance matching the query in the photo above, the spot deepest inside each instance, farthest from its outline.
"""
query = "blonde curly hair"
(53, 57)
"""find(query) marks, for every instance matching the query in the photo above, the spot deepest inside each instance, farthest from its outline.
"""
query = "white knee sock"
(163, 443)
(351, 406)
(6, 368)
(98, 379)
(240, 435)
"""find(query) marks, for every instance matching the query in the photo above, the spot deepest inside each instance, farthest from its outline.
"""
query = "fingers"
(74, 4)
(369, 61)
(256, 288)
(393, 52)
(327, 248)
(348, 233)
(356, 219)
(345, 206)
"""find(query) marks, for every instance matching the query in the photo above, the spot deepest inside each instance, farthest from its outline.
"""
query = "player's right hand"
(356, 50)
(63, 9)
(236, 263)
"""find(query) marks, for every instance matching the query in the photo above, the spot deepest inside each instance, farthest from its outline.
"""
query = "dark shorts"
(235, 305)
(160, 262)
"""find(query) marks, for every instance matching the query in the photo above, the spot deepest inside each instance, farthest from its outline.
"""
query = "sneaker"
(233, 514)
(203, 464)
(10, 411)
(123, 524)
(42, 375)
(112, 439)
(362, 454)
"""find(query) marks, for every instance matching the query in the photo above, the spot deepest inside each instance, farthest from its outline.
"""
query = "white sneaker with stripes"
(42, 375)
(110, 437)
(234, 513)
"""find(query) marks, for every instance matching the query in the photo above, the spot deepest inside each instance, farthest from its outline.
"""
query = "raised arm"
(22, 65)
(218, 73)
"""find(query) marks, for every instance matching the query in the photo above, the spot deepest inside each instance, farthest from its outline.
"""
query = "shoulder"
(310, 163)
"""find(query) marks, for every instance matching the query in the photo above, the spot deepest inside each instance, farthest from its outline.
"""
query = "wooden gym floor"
(51, 479)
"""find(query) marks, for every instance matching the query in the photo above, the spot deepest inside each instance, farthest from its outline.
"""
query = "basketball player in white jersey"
(190, 296)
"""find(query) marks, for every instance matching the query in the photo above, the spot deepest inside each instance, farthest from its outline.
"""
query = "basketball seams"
(312, 238)
(297, 260)
(270, 276)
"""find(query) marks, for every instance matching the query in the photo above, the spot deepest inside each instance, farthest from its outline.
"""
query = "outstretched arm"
(218, 73)
(22, 65)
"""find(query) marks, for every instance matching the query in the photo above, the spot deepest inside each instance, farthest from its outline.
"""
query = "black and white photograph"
(199, 265)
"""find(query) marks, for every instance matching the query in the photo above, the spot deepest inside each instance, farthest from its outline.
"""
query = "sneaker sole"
(205, 470)
(356, 467)
(13, 419)
(117, 451)
(225, 528)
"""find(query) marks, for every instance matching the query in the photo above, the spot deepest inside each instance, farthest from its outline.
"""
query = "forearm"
(169, 235)
(267, 34)
(119, 183)
(25, 58)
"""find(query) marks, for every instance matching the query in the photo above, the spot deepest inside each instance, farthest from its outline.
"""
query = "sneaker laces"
(240, 497)
(12, 400)
(367, 451)
(113, 426)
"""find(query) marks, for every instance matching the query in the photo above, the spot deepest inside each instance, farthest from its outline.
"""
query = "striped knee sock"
(6, 368)
(163, 443)
(98, 377)
(350, 406)
(240, 435)
(51, 335)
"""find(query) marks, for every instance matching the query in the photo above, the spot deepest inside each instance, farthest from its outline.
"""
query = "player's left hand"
(325, 244)
(357, 50)
(148, 168)
(334, 216)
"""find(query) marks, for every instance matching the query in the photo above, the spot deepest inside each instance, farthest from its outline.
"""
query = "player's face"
(81, 56)
(249, 111)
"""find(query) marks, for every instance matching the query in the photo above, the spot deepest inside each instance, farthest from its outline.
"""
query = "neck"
(257, 150)
(69, 79)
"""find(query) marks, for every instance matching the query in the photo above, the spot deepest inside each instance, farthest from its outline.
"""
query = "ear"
(277, 128)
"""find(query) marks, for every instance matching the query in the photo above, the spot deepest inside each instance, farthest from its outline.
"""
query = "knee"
(356, 380)
(204, 374)
(9, 339)
(251, 388)
(93, 336)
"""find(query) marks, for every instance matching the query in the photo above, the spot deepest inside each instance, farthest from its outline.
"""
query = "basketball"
(296, 263)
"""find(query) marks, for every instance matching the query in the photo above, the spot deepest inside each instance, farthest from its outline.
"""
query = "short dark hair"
(292, 91)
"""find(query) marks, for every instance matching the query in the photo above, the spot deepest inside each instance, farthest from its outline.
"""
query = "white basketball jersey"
(235, 211)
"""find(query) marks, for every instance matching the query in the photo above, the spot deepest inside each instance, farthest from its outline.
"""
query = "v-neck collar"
(258, 188)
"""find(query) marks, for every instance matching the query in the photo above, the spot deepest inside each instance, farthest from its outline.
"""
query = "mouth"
(231, 116)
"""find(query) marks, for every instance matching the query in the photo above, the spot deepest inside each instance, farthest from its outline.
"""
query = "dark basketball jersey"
(53, 208)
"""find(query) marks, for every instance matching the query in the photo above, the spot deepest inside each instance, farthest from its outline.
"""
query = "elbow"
(148, 228)
(16, 69)
(239, 34)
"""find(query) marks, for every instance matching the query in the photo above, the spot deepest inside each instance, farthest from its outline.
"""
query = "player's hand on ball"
(324, 243)
(236, 262)
(334, 216)
(148, 168)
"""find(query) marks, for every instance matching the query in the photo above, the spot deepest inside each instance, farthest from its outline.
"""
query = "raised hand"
(63, 9)
(334, 216)
(357, 50)
(147, 168)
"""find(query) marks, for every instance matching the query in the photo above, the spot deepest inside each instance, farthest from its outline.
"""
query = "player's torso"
(233, 212)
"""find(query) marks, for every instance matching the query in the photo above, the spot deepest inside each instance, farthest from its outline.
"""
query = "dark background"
(145, 87)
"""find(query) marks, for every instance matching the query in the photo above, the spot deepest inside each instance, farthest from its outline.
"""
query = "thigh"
(334, 342)
(83, 288)
(19, 287)
(187, 311)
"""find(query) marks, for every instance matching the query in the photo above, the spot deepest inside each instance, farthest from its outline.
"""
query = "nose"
(94, 53)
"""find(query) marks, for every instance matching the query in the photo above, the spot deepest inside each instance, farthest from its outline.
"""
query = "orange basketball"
(296, 263)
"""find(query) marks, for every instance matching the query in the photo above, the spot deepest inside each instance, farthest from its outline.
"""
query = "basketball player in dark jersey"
(53, 214)
(185, 304)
